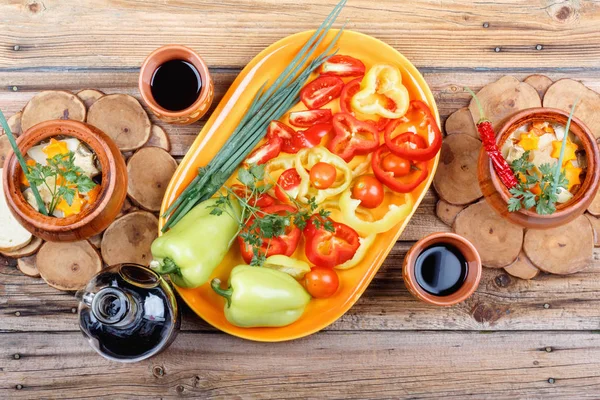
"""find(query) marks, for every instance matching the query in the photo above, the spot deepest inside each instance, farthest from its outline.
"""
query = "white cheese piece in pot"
(36, 153)
(564, 195)
(84, 159)
(540, 157)
(514, 152)
(545, 141)
(559, 131)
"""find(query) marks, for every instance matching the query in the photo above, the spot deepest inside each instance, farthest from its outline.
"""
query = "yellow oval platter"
(266, 66)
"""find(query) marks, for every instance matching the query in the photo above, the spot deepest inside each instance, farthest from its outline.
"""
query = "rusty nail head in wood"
(158, 370)
(551, 380)
(180, 389)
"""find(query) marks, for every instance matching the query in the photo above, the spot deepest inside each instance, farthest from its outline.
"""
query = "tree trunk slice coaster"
(461, 121)
(4, 149)
(563, 250)
(159, 138)
(89, 96)
(498, 241)
(456, 178)
(447, 212)
(122, 118)
(503, 98)
(27, 266)
(96, 240)
(593, 208)
(149, 171)
(540, 83)
(31, 248)
(564, 92)
(595, 222)
(68, 265)
(128, 239)
(522, 268)
(14, 123)
(52, 104)
(12, 235)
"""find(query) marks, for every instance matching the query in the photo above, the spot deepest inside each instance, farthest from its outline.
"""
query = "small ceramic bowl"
(176, 52)
(497, 195)
(92, 220)
(473, 274)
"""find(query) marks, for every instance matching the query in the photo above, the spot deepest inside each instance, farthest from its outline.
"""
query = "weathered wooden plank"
(120, 33)
(501, 303)
(362, 365)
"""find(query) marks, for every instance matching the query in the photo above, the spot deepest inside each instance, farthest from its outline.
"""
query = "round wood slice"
(456, 178)
(563, 250)
(594, 207)
(447, 212)
(564, 92)
(96, 240)
(595, 222)
(498, 241)
(14, 123)
(122, 118)
(149, 171)
(31, 248)
(128, 239)
(12, 234)
(5, 148)
(522, 267)
(68, 265)
(52, 104)
(159, 138)
(27, 266)
(461, 121)
(540, 83)
(89, 96)
(503, 98)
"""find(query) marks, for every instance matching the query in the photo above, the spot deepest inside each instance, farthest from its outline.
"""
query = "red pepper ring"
(388, 178)
(329, 249)
(420, 153)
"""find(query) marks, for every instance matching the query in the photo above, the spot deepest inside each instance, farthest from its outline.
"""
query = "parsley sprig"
(72, 178)
(255, 226)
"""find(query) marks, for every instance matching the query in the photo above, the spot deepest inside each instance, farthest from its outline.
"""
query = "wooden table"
(513, 338)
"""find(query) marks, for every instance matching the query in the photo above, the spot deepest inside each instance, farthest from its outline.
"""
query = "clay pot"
(176, 52)
(92, 220)
(497, 195)
(473, 274)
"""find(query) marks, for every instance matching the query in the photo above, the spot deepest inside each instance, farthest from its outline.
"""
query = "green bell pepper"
(191, 250)
(259, 296)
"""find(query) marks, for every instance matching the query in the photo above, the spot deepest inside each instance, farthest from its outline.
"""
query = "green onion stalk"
(562, 148)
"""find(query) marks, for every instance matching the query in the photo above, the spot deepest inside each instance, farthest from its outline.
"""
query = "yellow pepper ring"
(291, 266)
(381, 85)
(363, 213)
(395, 215)
(306, 159)
(280, 163)
(363, 167)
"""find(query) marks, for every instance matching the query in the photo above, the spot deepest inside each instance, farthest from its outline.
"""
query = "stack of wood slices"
(145, 147)
(523, 253)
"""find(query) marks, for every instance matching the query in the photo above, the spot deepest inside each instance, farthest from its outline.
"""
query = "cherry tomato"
(321, 282)
(308, 118)
(396, 165)
(321, 91)
(369, 191)
(340, 65)
(287, 185)
(322, 175)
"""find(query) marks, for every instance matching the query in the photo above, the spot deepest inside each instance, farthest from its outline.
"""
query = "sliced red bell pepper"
(329, 249)
(287, 185)
(352, 137)
(403, 148)
(344, 66)
(308, 118)
(264, 200)
(285, 244)
(350, 89)
(291, 141)
(400, 184)
(321, 91)
(266, 152)
(315, 134)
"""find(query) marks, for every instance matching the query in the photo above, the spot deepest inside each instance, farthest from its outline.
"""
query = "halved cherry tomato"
(340, 65)
(400, 184)
(315, 134)
(350, 89)
(287, 185)
(322, 175)
(264, 200)
(266, 152)
(352, 137)
(321, 91)
(369, 191)
(396, 165)
(308, 118)
(321, 282)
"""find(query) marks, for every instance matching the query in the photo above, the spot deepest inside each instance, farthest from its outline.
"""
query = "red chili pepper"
(400, 184)
(400, 148)
(350, 89)
(328, 249)
(352, 137)
(488, 139)
(266, 152)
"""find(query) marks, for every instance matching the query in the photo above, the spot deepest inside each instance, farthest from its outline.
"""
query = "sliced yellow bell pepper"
(361, 252)
(382, 93)
(74, 208)
(572, 175)
(291, 266)
(362, 167)
(529, 141)
(395, 215)
(570, 150)
(55, 147)
(306, 159)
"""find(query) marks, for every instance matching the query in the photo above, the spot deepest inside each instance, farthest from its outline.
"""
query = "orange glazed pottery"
(93, 219)
(176, 52)
(497, 195)
(471, 280)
